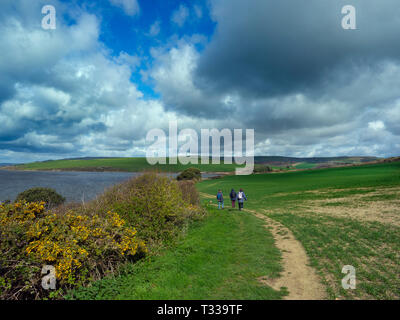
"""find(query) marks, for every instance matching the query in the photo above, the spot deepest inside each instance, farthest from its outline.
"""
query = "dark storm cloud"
(23, 146)
(262, 48)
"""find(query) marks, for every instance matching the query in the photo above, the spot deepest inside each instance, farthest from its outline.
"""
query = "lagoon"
(74, 186)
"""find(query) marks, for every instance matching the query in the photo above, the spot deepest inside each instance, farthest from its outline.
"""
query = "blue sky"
(131, 32)
(115, 69)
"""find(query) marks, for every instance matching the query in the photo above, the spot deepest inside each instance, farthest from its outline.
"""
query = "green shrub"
(262, 169)
(47, 195)
(189, 192)
(189, 174)
(80, 248)
(153, 204)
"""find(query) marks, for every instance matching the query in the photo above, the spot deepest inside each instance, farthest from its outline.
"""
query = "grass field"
(220, 258)
(140, 164)
(121, 164)
(341, 216)
(305, 165)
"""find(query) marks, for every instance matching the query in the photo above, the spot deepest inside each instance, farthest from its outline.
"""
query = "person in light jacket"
(241, 196)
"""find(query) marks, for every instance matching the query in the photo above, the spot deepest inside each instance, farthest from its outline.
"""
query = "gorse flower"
(74, 244)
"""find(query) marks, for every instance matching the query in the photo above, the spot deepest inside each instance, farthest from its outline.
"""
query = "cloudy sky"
(114, 69)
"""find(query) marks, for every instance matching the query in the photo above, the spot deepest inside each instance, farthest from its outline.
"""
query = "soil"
(298, 277)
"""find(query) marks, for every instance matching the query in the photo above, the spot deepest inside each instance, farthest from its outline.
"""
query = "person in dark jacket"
(241, 196)
(220, 199)
(233, 195)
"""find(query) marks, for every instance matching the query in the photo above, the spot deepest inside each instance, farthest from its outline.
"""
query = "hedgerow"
(86, 242)
(154, 204)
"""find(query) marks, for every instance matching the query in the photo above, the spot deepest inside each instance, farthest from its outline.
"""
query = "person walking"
(233, 197)
(220, 199)
(241, 196)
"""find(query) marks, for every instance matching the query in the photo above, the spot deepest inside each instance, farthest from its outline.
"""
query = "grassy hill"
(119, 164)
(141, 164)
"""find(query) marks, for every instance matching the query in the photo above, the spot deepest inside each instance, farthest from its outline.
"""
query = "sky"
(113, 70)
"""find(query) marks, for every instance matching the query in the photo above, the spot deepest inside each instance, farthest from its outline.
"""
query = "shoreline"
(107, 169)
(213, 173)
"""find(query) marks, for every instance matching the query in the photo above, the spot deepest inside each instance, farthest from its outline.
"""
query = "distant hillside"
(6, 164)
(292, 160)
(291, 163)
(119, 164)
(275, 163)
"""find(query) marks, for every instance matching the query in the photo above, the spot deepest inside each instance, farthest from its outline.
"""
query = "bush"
(49, 196)
(85, 242)
(189, 192)
(189, 174)
(262, 169)
(81, 248)
(153, 204)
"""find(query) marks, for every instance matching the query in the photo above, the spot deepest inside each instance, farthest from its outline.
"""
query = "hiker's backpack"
(233, 195)
(240, 195)
(219, 196)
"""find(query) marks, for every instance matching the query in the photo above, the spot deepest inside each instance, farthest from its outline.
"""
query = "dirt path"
(298, 277)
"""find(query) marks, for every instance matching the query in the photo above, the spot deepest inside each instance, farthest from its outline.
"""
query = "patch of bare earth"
(298, 277)
(361, 207)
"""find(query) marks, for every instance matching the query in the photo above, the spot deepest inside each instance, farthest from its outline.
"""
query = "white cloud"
(155, 28)
(198, 11)
(132, 61)
(180, 15)
(64, 96)
(376, 125)
(131, 7)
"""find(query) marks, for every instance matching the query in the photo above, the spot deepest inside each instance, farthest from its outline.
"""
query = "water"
(74, 186)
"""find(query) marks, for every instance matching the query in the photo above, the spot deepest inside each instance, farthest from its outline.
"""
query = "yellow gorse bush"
(76, 245)
(20, 212)
(84, 243)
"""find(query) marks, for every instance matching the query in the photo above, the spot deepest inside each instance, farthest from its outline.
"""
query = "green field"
(305, 165)
(140, 164)
(341, 216)
(121, 164)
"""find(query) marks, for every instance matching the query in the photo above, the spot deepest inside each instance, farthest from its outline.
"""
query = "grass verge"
(220, 258)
